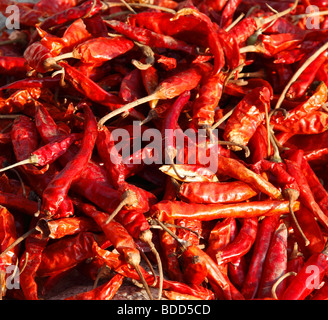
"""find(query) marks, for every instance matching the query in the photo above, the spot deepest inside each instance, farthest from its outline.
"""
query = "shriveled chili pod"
(216, 192)
(247, 116)
(57, 189)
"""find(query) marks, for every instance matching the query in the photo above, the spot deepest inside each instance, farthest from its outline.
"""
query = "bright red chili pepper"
(308, 278)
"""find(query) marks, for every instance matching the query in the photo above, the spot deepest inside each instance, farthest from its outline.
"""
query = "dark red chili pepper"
(86, 9)
(150, 38)
(8, 235)
(169, 88)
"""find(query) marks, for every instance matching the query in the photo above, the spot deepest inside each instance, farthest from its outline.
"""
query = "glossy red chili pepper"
(31, 259)
(306, 195)
(275, 264)
(20, 101)
(241, 244)
(299, 87)
(36, 56)
(75, 34)
(228, 13)
(62, 227)
(8, 235)
(57, 189)
(65, 254)
(235, 169)
(308, 278)
(99, 50)
(167, 210)
(298, 119)
(216, 192)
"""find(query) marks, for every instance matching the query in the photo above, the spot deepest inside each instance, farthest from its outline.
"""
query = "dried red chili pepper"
(169, 88)
(8, 235)
(62, 227)
(167, 210)
(247, 116)
(241, 244)
(275, 264)
(31, 259)
(65, 254)
(48, 153)
(57, 189)
(150, 38)
(209, 96)
(96, 51)
(216, 192)
(301, 286)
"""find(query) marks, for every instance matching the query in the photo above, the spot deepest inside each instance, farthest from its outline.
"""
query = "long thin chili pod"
(48, 153)
(275, 264)
(235, 169)
(256, 265)
(58, 188)
(167, 210)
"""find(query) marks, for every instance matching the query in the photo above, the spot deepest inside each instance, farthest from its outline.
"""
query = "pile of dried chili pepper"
(176, 145)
